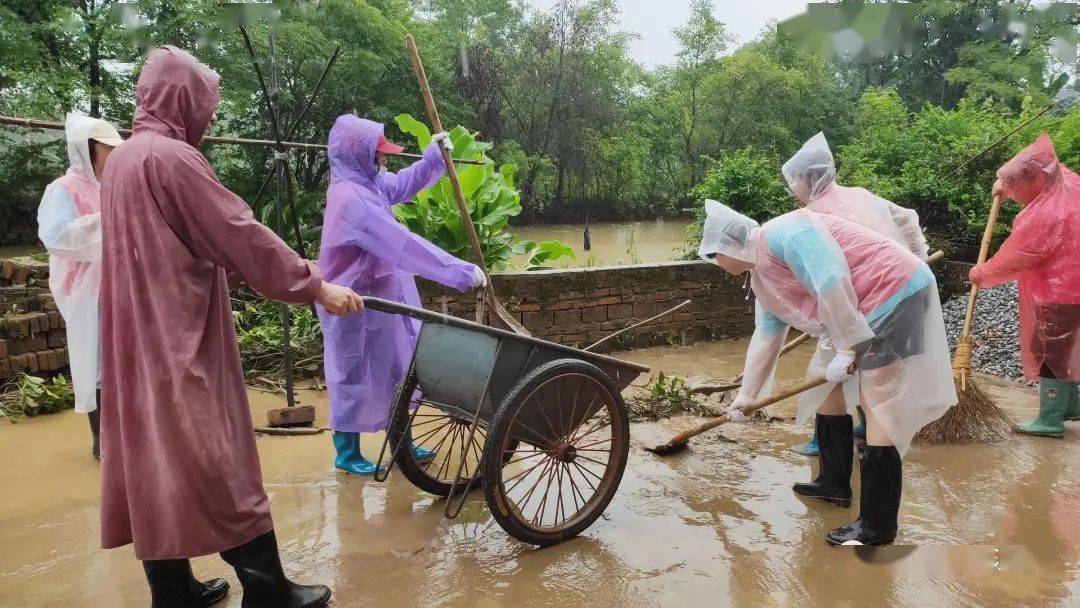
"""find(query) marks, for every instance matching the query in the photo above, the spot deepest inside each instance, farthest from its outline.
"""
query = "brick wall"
(580, 306)
(32, 334)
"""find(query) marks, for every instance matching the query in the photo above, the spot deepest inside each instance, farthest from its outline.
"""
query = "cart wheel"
(574, 439)
(445, 436)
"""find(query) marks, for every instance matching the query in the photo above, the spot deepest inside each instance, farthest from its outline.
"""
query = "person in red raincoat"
(1043, 255)
(180, 470)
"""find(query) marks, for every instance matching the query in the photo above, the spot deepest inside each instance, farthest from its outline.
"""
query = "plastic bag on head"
(727, 232)
(811, 171)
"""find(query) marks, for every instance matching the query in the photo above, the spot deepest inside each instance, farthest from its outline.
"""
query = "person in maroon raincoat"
(180, 471)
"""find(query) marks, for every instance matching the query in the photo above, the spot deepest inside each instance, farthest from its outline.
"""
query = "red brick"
(599, 293)
(19, 275)
(608, 301)
(32, 363)
(3, 349)
(5, 368)
(7, 269)
(532, 307)
(561, 306)
(645, 309)
(594, 314)
(62, 355)
(57, 338)
(54, 319)
(538, 320)
(620, 311)
(567, 319)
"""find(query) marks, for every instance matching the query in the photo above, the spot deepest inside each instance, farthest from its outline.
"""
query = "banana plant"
(490, 196)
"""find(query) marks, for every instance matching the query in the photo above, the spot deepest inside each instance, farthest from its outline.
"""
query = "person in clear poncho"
(811, 179)
(878, 303)
(1043, 256)
(69, 225)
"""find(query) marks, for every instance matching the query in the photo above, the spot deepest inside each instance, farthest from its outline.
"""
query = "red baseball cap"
(388, 147)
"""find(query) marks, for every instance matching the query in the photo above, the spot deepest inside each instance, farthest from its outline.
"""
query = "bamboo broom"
(975, 418)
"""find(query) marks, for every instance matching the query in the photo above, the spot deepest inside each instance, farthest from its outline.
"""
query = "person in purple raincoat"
(365, 248)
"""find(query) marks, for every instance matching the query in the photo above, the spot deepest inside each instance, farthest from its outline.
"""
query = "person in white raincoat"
(811, 179)
(69, 224)
(878, 302)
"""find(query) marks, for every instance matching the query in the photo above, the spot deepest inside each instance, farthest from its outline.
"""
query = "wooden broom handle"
(984, 250)
(803, 386)
(436, 124)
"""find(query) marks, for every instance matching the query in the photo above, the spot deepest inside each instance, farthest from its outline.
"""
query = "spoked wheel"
(444, 436)
(556, 452)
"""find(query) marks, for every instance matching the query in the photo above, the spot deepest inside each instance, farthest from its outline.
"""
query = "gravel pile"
(995, 330)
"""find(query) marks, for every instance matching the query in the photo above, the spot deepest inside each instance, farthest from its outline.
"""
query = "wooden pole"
(466, 219)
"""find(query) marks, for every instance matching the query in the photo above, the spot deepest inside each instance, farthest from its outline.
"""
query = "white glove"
(838, 367)
(479, 279)
(826, 342)
(444, 141)
(734, 412)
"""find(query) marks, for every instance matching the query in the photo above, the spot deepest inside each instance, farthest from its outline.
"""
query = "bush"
(27, 395)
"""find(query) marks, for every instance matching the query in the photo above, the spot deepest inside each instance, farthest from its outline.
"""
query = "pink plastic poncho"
(69, 224)
(826, 275)
(1043, 255)
(365, 248)
(179, 469)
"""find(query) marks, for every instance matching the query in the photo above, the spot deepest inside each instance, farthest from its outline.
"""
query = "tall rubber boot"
(1073, 411)
(349, 458)
(879, 499)
(860, 431)
(1054, 397)
(95, 432)
(833, 483)
(172, 585)
(258, 566)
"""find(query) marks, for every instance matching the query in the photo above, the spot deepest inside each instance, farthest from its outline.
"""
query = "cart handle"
(427, 316)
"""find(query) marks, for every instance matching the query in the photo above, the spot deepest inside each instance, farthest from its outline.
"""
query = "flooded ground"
(716, 525)
(612, 244)
(14, 251)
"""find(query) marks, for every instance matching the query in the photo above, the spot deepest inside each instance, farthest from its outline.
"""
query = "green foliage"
(261, 338)
(489, 194)
(666, 395)
(540, 254)
(29, 395)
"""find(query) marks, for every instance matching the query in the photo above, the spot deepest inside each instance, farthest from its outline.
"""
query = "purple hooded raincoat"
(365, 248)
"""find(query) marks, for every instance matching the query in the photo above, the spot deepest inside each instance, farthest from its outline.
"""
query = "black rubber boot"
(95, 431)
(258, 566)
(835, 455)
(172, 585)
(879, 499)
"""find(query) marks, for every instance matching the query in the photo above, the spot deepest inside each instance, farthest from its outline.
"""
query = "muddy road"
(998, 525)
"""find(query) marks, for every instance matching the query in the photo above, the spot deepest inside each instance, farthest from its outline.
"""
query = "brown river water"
(996, 525)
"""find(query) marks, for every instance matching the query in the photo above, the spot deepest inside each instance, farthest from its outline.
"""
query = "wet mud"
(994, 525)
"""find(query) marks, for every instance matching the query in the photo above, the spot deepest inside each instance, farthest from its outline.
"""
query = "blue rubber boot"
(810, 448)
(349, 458)
(860, 431)
(420, 454)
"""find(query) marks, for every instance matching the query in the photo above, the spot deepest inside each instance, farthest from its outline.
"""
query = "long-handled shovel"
(500, 311)
(680, 441)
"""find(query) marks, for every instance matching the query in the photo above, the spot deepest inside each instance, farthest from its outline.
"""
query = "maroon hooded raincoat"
(180, 471)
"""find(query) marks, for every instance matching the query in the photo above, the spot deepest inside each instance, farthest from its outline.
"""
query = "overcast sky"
(653, 21)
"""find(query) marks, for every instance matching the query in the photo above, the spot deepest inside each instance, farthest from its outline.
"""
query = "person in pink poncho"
(878, 303)
(69, 225)
(1043, 256)
(366, 248)
(811, 179)
(180, 470)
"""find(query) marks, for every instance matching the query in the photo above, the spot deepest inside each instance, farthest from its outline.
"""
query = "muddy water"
(612, 244)
(715, 525)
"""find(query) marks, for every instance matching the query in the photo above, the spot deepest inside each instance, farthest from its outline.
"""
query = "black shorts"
(898, 336)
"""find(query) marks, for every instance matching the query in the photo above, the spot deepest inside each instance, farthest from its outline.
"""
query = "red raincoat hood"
(1032, 173)
(176, 95)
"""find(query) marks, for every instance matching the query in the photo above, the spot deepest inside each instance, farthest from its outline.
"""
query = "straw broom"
(975, 418)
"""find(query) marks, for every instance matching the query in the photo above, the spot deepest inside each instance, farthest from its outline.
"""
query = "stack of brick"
(577, 307)
(32, 334)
